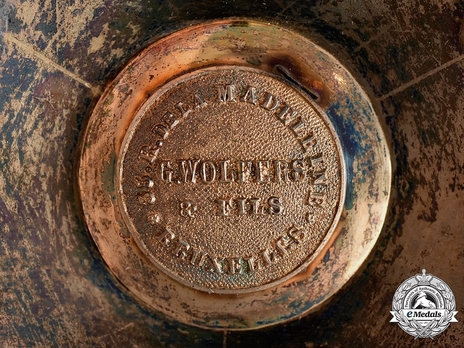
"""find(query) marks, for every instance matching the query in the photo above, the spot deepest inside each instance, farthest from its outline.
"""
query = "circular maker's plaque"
(234, 175)
(230, 179)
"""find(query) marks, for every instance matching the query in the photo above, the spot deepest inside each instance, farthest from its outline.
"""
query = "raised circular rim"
(122, 201)
(277, 51)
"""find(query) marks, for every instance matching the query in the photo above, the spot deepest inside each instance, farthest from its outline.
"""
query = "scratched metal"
(334, 91)
(338, 96)
(56, 57)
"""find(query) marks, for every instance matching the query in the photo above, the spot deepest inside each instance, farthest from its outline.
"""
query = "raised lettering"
(298, 172)
(235, 266)
(310, 217)
(276, 250)
(198, 101)
(224, 172)
(182, 249)
(148, 154)
(250, 96)
(198, 257)
(153, 218)
(286, 115)
(182, 110)
(217, 264)
(187, 209)
(275, 205)
(255, 207)
(319, 177)
(297, 127)
(226, 93)
(317, 201)
(297, 234)
(251, 263)
(146, 198)
(143, 181)
(249, 206)
(254, 264)
(170, 120)
(270, 256)
(241, 206)
(308, 141)
(188, 170)
(316, 159)
(281, 168)
(160, 130)
(166, 171)
(208, 172)
(270, 102)
(262, 170)
(282, 244)
(244, 170)
(166, 237)
(224, 206)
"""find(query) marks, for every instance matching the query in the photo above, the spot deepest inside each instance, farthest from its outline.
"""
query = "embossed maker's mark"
(281, 110)
(277, 250)
(187, 209)
(208, 183)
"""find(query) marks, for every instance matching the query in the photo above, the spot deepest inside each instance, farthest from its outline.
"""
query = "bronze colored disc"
(283, 209)
(230, 179)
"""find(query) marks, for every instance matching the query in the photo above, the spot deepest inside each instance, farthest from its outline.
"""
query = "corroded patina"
(169, 172)
(55, 55)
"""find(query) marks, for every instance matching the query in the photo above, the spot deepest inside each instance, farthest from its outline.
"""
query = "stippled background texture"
(57, 57)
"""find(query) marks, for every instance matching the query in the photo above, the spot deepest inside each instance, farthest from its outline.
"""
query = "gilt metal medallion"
(230, 179)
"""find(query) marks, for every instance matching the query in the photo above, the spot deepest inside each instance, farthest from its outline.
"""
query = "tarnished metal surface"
(244, 187)
(58, 56)
(134, 129)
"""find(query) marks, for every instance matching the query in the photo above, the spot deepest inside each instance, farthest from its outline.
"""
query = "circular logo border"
(441, 317)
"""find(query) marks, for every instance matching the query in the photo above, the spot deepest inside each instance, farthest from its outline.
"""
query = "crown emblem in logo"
(423, 279)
